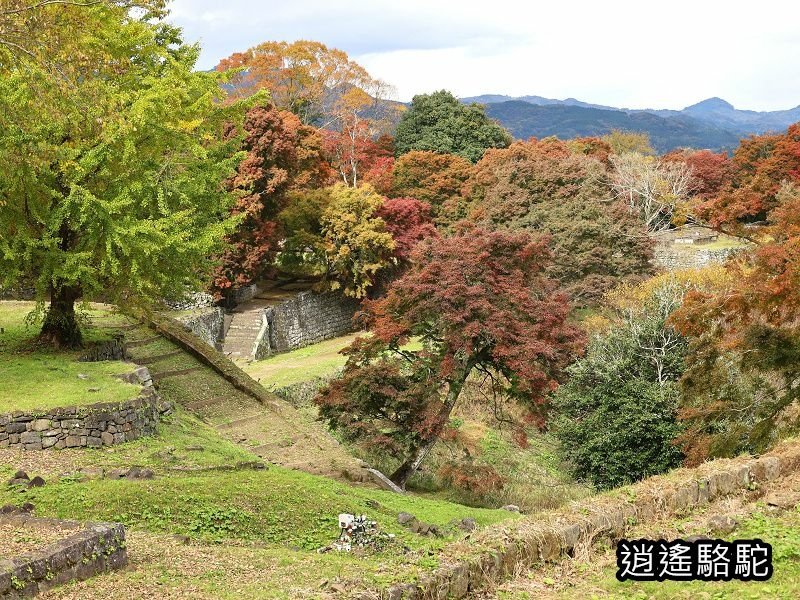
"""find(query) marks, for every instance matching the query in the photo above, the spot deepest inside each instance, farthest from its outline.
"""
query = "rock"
(375, 504)
(107, 438)
(27, 508)
(140, 473)
(117, 473)
(420, 528)
(40, 425)
(467, 524)
(781, 501)
(83, 376)
(722, 523)
(511, 508)
(20, 475)
(384, 481)
(195, 448)
(183, 539)
(93, 389)
(405, 518)
(36, 482)
(90, 473)
(695, 538)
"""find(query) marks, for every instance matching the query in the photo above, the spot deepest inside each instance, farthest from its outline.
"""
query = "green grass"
(723, 242)
(277, 508)
(303, 364)
(36, 377)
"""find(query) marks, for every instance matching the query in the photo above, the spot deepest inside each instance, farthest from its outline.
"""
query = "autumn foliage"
(409, 221)
(479, 300)
(282, 155)
(545, 187)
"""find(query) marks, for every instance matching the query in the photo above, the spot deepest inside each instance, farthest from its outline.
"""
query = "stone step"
(242, 421)
(175, 373)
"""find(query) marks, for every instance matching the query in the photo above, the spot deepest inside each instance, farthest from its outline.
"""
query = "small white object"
(345, 520)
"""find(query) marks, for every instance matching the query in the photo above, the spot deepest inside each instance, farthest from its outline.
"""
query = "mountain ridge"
(713, 123)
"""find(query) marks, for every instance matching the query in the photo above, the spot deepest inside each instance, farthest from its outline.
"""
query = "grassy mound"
(37, 377)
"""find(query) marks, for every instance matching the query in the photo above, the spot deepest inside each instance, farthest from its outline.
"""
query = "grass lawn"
(300, 365)
(286, 514)
(182, 442)
(305, 364)
(35, 377)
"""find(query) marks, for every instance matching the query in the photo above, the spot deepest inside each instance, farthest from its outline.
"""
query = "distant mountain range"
(713, 123)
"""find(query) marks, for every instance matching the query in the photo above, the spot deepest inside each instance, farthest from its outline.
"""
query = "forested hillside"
(265, 333)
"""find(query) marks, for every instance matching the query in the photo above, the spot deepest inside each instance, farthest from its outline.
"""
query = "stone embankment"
(502, 551)
(95, 549)
(91, 426)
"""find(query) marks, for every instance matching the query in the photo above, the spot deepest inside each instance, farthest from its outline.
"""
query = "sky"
(631, 54)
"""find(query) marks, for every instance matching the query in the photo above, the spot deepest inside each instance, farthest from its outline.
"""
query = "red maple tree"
(478, 301)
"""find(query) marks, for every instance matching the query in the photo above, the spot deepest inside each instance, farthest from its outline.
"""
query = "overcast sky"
(633, 54)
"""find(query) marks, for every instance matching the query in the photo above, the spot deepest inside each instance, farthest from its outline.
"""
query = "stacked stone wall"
(306, 319)
(98, 548)
(207, 324)
(508, 549)
(673, 258)
(92, 426)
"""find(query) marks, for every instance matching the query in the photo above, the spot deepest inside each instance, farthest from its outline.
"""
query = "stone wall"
(100, 547)
(674, 258)
(306, 319)
(191, 301)
(207, 324)
(92, 426)
(302, 394)
(508, 549)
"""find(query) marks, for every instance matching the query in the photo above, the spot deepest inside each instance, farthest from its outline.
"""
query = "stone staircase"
(243, 331)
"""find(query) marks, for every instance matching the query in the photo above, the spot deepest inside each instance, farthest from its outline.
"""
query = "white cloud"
(622, 53)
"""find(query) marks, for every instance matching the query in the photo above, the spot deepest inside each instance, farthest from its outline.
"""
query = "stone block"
(106, 438)
(40, 425)
(30, 437)
(49, 442)
(73, 441)
(766, 468)
(16, 427)
(93, 442)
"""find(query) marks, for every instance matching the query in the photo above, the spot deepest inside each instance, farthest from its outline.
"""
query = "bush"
(615, 434)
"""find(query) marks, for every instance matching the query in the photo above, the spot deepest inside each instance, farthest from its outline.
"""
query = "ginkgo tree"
(113, 151)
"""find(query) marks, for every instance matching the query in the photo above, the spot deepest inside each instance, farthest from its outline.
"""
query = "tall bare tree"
(650, 187)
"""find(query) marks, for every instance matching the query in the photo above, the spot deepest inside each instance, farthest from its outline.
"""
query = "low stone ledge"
(510, 549)
(91, 426)
(98, 548)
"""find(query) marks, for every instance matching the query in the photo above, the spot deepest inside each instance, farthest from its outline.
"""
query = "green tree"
(440, 123)
(543, 186)
(616, 416)
(113, 152)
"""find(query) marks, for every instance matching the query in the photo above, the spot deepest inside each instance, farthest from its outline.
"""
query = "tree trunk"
(60, 327)
(405, 471)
